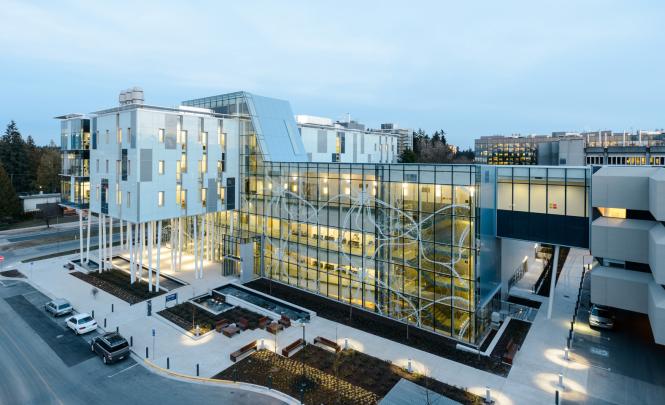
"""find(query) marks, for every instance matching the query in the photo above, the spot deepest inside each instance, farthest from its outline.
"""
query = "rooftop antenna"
(348, 118)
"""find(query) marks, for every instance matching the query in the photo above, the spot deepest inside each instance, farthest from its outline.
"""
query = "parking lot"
(625, 365)
(45, 363)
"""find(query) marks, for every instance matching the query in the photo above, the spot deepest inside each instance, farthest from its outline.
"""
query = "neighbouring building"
(347, 142)
(573, 149)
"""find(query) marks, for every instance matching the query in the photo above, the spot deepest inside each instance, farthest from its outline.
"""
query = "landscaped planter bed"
(375, 375)
(515, 331)
(380, 326)
(117, 283)
(188, 316)
(286, 375)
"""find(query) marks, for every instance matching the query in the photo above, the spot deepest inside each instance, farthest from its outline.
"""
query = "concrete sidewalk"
(531, 381)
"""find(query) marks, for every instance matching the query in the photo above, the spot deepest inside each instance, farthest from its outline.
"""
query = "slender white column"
(87, 249)
(172, 239)
(555, 266)
(122, 239)
(81, 236)
(203, 227)
(196, 248)
(159, 251)
(150, 250)
(140, 253)
(180, 243)
(110, 242)
(100, 242)
(130, 242)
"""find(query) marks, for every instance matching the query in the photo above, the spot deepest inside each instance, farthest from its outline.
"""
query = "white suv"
(81, 323)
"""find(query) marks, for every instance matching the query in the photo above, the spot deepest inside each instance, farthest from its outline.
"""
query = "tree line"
(434, 149)
(25, 168)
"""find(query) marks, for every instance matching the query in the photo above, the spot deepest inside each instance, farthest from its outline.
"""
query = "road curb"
(215, 382)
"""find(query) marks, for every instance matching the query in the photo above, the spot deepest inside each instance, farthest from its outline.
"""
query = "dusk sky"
(469, 69)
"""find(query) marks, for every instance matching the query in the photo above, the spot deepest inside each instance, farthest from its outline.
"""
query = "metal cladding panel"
(146, 165)
(211, 197)
(170, 131)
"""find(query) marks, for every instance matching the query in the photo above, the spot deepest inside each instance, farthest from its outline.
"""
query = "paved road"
(42, 363)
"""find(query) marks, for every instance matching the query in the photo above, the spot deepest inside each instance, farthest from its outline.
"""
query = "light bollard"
(488, 395)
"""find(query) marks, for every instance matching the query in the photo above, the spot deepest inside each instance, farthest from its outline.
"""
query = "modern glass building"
(395, 239)
(75, 142)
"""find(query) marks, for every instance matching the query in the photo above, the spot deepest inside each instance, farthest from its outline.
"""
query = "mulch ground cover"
(375, 375)
(301, 381)
(117, 283)
(12, 273)
(515, 331)
(188, 315)
(381, 326)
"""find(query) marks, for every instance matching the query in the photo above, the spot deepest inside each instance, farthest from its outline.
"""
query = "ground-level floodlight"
(263, 344)
(488, 395)
(198, 330)
(560, 385)
(346, 343)
(565, 353)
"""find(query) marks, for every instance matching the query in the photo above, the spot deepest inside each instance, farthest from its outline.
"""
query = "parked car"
(601, 317)
(111, 347)
(58, 306)
(81, 323)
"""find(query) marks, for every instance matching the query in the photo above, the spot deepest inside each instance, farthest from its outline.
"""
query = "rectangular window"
(160, 167)
(118, 194)
(204, 193)
(107, 166)
(129, 199)
(129, 167)
(160, 135)
(119, 135)
(106, 137)
(97, 193)
(97, 166)
(160, 199)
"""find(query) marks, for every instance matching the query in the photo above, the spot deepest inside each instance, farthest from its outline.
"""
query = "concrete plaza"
(532, 380)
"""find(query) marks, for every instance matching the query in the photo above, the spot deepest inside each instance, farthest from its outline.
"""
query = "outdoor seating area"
(230, 322)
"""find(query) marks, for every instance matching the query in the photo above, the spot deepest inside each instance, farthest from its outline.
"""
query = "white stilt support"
(159, 251)
(180, 238)
(100, 242)
(203, 227)
(130, 242)
(196, 248)
(81, 236)
(122, 239)
(555, 266)
(110, 243)
(140, 251)
(150, 251)
(87, 249)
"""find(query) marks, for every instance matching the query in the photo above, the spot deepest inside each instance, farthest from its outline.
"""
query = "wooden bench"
(274, 328)
(263, 322)
(243, 323)
(230, 331)
(286, 352)
(221, 324)
(327, 342)
(285, 321)
(251, 347)
(511, 351)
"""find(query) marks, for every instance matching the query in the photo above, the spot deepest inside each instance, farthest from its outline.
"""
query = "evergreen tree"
(14, 158)
(34, 154)
(407, 156)
(10, 206)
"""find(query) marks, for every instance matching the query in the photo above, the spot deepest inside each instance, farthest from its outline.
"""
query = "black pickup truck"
(110, 346)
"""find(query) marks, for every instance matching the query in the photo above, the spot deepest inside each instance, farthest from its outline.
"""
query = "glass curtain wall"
(398, 240)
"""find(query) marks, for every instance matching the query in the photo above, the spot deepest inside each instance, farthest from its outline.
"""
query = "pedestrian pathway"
(532, 380)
